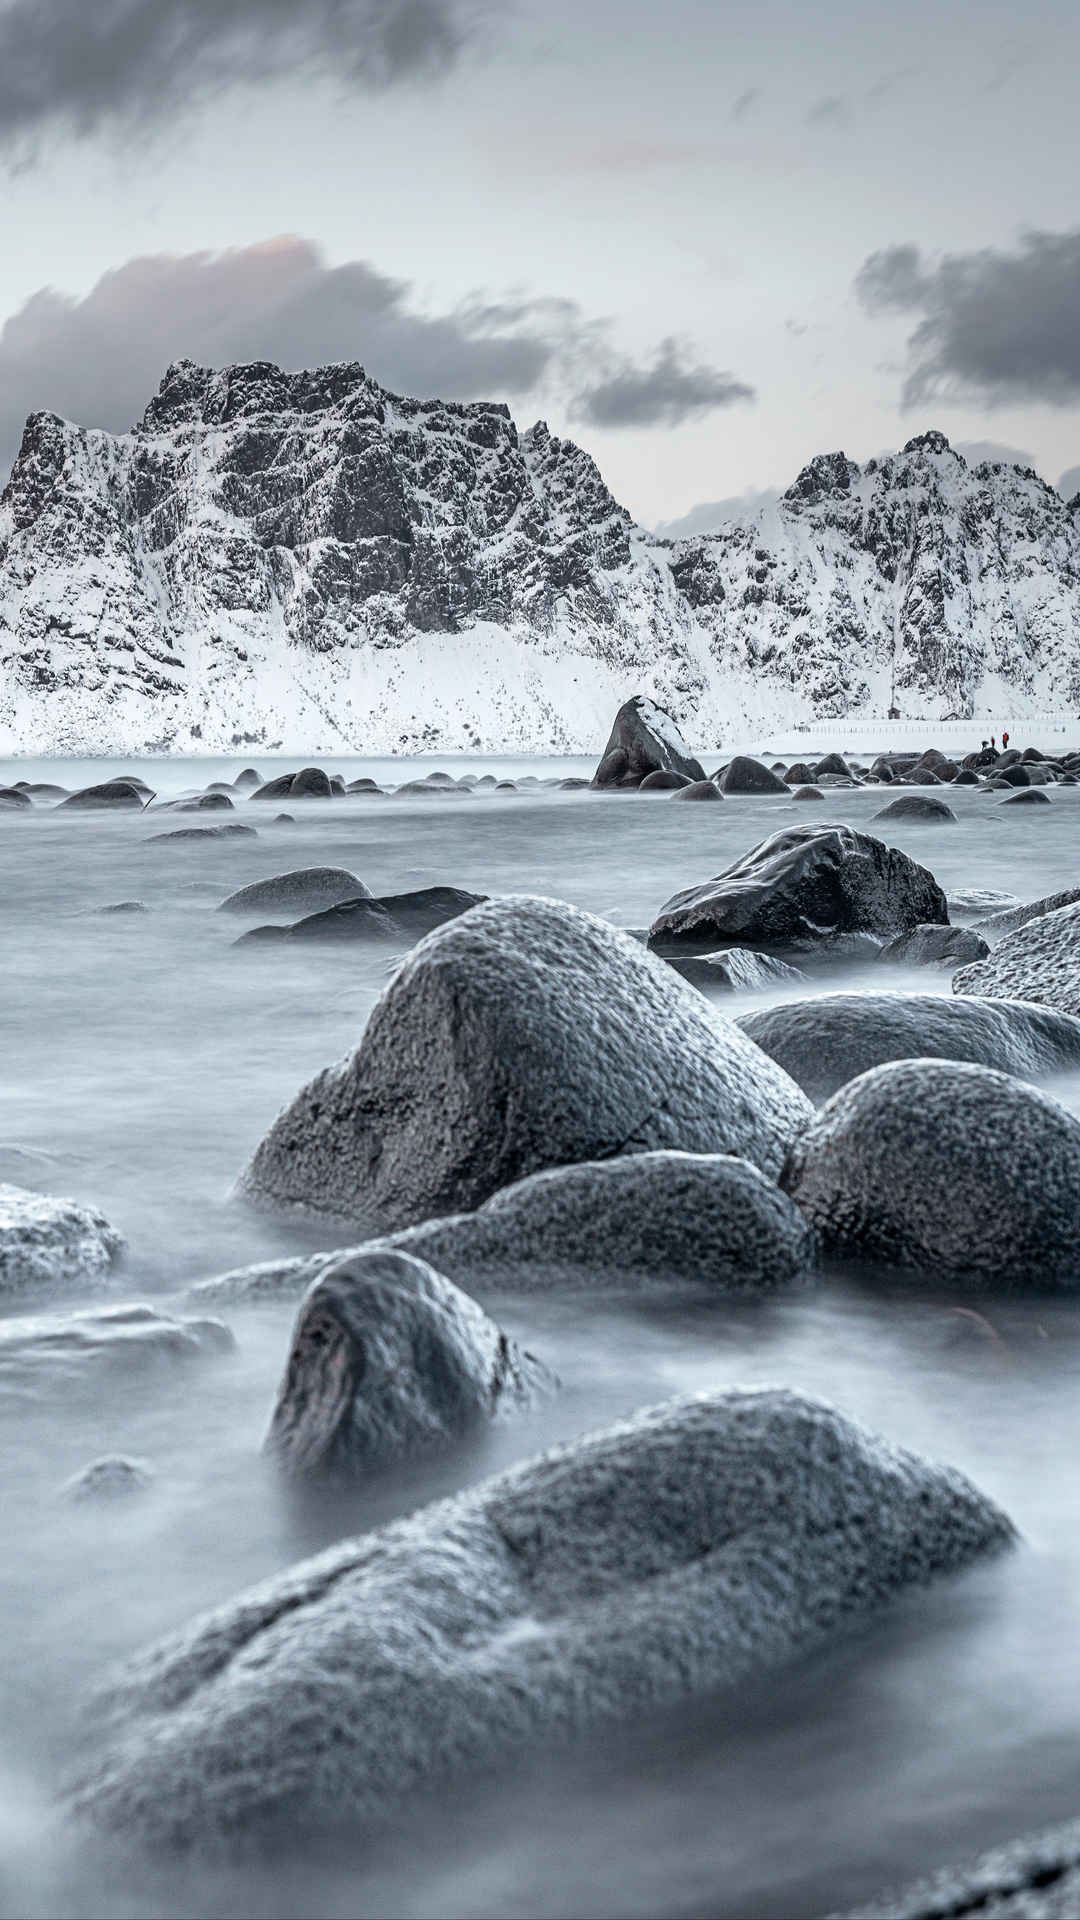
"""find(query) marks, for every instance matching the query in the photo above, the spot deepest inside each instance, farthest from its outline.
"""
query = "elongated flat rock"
(677, 1552)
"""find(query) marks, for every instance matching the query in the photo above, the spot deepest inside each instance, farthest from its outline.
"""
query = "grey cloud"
(97, 360)
(995, 327)
(745, 103)
(79, 65)
(665, 394)
(831, 111)
(976, 451)
(709, 515)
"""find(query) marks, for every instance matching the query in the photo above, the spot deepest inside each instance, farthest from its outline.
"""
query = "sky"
(707, 241)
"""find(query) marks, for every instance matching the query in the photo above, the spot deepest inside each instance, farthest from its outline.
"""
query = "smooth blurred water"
(145, 1055)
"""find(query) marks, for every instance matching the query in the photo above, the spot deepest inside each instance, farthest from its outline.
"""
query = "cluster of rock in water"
(543, 1101)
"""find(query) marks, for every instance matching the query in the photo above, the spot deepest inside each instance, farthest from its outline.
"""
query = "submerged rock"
(744, 775)
(958, 1173)
(389, 1359)
(522, 1035)
(737, 970)
(56, 1355)
(644, 740)
(802, 886)
(1040, 961)
(303, 890)
(677, 1552)
(233, 830)
(402, 918)
(14, 800)
(827, 1041)
(663, 778)
(698, 790)
(46, 1242)
(1029, 797)
(113, 1477)
(916, 806)
(119, 795)
(934, 947)
(984, 903)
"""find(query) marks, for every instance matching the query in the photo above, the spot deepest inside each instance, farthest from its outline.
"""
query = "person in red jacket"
(1004, 742)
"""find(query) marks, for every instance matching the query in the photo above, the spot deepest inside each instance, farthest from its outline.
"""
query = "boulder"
(808, 793)
(199, 803)
(959, 1174)
(827, 1041)
(118, 795)
(363, 786)
(311, 783)
(400, 918)
(232, 830)
(644, 1222)
(1027, 797)
(916, 806)
(799, 887)
(934, 947)
(303, 890)
(248, 780)
(698, 790)
(1034, 1878)
(736, 970)
(42, 792)
(113, 1477)
(124, 906)
(831, 763)
(15, 800)
(664, 777)
(574, 785)
(979, 903)
(967, 777)
(744, 775)
(644, 740)
(1014, 776)
(53, 1358)
(1012, 913)
(687, 1549)
(46, 1242)
(524, 1034)
(432, 790)
(390, 1360)
(799, 774)
(1039, 961)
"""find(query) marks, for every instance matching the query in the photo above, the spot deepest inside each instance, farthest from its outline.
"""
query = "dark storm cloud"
(665, 394)
(97, 360)
(78, 65)
(996, 327)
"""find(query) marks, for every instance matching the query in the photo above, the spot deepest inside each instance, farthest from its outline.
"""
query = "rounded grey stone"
(916, 806)
(934, 947)
(47, 1242)
(1040, 961)
(303, 890)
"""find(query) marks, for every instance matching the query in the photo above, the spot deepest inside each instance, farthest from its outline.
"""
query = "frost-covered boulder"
(303, 890)
(798, 888)
(46, 1242)
(934, 947)
(389, 1359)
(1034, 1878)
(644, 740)
(677, 1552)
(1040, 961)
(51, 1356)
(524, 1034)
(827, 1041)
(745, 775)
(640, 1221)
(1008, 915)
(958, 1173)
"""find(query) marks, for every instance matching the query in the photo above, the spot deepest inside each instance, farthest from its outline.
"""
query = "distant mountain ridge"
(307, 561)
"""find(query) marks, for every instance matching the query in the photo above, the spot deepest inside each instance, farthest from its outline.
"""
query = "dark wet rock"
(233, 830)
(283, 820)
(195, 803)
(698, 790)
(221, 786)
(524, 1034)
(431, 790)
(311, 783)
(744, 775)
(1014, 776)
(119, 795)
(934, 947)
(47, 1242)
(808, 793)
(401, 918)
(736, 970)
(42, 792)
(979, 903)
(113, 1477)
(572, 784)
(363, 785)
(966, 777)
(681, 1551)
(124, 906)
(664, 777)
(248, 780)
(506, 786)
(1011, 915)
(827, 1041)
(1034, 1878)
(642, 1222)
(389, 1359)
(802, 886)
(799, 774)
(1039, 961)
(832, 763)
(51, 1356)
(1027, 797)
(303, 890)
(914, 806)
(643, 740)
(15, 800)
(957, 1173)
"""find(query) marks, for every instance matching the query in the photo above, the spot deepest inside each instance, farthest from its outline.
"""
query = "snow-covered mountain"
(307, 561)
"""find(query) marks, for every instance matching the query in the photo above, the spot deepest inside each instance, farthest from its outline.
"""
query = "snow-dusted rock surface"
(305, 560)
(46, 1242)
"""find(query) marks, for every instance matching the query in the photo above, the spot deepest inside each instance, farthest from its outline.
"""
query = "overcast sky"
(707, 240)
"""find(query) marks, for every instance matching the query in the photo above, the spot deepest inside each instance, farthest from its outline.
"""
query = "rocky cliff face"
(307, 561)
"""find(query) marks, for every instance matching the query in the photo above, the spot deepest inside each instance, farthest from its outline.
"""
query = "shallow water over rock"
(146, 1056)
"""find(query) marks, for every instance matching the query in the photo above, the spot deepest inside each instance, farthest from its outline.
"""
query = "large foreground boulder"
(524, 1034)
(389, 1360)
(1033, 1878)
(957, 1174)
(644, 740)
(1040, 961)
(46, 1242)
(52, 1357)
(677, 1552)
(303, 890)
(827, 1041)
(798, 888)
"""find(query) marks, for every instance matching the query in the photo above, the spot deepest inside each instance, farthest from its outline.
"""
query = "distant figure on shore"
(1004, 743)
(993, 744)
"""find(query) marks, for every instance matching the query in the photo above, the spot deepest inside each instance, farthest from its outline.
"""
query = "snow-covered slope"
(307, 561)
